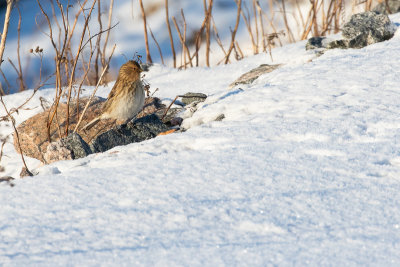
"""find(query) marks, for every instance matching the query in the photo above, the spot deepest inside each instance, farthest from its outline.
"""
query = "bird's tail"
(91, 124)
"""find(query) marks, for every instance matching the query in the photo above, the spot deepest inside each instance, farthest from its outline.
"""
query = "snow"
(304, 170)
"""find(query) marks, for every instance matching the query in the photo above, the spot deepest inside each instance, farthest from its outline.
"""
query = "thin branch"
(5, 29)
(146, 39)
(17, 135)
(95, 90)
(239, 4)
(170, 33)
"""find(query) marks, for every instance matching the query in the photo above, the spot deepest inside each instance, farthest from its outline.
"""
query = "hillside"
(303, 170)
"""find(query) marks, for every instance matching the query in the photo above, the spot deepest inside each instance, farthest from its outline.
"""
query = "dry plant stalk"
(208, 15)
(157, 44)
(170, 105)
(20, 76)
(247, 22)
(72, 76)
(98, 49)
(5, 29)
(95, 90)
(146, 39)
(200, 32)
(17, 135)
(239, 5)
(110, 12)
(170, 33)
(185, 49)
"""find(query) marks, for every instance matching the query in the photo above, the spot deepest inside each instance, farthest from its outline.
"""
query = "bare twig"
(158, 46)
(95, 90)
(165, 113)
(208, 27)
(184, 47)
(20, 75)
(146, 39)
(5, 29)
(17, 135)
(239, 4)
(170, 33)
(110, 11)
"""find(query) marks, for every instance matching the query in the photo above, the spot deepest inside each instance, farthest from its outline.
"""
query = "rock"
(316, 42)
(363, 29)
(176, 121)
(151, 105)
(367, 28)
(253, 74)
(57, 151)
(76, 145)
(388, 7)
(141, 129)
(220, 117)
(325, 43)
(342, 44)
(34, 138)
(171, 114)
(33, 132)
(189, 98)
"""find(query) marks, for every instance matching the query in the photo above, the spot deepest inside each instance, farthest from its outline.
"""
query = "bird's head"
(130, 70)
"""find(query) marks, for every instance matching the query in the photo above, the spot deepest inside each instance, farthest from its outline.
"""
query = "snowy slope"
(304, 170)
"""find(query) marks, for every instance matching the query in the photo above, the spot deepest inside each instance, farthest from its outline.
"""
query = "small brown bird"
(126, 98)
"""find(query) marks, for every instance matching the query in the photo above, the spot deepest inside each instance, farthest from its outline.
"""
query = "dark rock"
(253, 74)
(176, 121)
(367, 28)
(315, 43)
(77, 145)
(189, 98)
(342, 44)
(388, 7)
(141, 129)
(171, 114)
(220, 117)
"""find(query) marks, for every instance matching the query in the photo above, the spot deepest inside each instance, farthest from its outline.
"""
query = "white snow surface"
(304, 170)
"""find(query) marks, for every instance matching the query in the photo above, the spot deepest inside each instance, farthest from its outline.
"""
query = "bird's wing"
(111, 95)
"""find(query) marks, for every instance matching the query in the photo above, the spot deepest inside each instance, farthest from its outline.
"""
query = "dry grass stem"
(170, 33)
(239, 5)
(146, 39)
(5, 29)
(16, 133)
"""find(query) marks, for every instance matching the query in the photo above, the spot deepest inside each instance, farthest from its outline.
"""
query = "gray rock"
(141, 129)
(367, 28)
(220, 117)
(315, 43)
(342, 44)
(189, 98)
(388, 7)
(171, 114)
(70, 147)
(77, 145)
(253, 74)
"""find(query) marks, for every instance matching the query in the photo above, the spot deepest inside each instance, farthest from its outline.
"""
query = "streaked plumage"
(126, 98)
